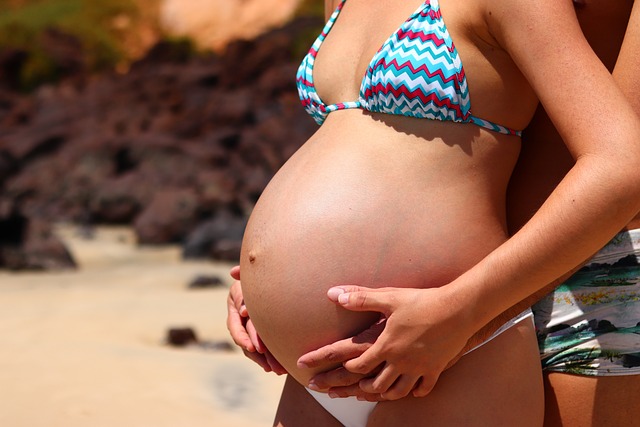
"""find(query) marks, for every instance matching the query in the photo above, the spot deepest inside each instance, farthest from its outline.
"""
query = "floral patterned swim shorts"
(590, 325)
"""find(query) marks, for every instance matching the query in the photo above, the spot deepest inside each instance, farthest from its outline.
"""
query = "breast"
(356, 211)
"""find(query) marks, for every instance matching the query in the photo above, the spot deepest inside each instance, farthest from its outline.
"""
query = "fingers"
(425, 385)
(337, 352)
(386, 386)
(338, 377)
(235, 272)
(368, 362)
(235, 294)
(243, 331)
(274, 364)
(400, 388)
(389, 385)
(238, 333)
(342, 350)
(239, 325)
(357, 298)
(334, 292)
(236, 327)
(354, 390)
(256, 350)
(381, 382)
(260, 359)
(254, 337)
(245, 336)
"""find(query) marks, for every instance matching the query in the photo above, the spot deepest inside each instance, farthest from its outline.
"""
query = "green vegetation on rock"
(44, 41)
(311, 8)
(97, 26)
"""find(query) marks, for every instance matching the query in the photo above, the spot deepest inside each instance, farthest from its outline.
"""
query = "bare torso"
(361, 204)
(379, 200)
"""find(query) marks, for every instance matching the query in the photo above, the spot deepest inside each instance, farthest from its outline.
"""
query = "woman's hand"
(339, 382)
(425, 331)
(243, 332)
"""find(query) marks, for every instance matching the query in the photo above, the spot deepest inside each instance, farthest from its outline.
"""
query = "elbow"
(627, 185)
(618, 175)
(629, 170)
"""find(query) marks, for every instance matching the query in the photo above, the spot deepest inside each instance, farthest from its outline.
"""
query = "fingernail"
(333, 394)
(334, 293)
(313, 386)
(360, 398)
(343, 299)
(302, 365)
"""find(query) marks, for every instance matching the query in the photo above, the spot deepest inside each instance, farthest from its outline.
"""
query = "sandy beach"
(86, 347)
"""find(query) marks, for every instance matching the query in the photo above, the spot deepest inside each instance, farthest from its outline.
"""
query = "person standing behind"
(585, 384)
(581, 386)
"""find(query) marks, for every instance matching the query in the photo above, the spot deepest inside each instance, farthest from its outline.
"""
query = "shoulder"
(544, 32)
(508, 19)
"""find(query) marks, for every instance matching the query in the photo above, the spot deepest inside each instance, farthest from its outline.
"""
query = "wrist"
(464, 307)
(468, 301)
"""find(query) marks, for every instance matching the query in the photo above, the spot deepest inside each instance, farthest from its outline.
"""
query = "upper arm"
(626, 70)
(545, 41)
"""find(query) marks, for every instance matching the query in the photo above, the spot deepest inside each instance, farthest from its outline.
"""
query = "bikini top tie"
(417, 72)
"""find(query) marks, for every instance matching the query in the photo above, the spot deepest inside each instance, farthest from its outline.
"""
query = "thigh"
(297, 408)
(499, 384)
(580, 401)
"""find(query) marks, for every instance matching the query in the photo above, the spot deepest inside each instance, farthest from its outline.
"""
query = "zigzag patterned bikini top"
(417, 72)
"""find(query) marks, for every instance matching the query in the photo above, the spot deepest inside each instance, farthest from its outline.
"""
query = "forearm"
(490, 328)
(594, 197)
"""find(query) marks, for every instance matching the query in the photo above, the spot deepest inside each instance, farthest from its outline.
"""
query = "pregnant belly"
(351, 216)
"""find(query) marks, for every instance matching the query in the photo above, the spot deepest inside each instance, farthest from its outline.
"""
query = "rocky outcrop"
(180, 148)
(30, 244)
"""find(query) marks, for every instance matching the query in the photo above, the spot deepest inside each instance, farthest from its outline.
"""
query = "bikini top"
(417, 72)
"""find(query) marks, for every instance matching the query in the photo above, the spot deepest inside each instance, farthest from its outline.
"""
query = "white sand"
(85, 348)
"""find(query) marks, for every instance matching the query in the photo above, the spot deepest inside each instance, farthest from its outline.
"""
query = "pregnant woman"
(404, 183)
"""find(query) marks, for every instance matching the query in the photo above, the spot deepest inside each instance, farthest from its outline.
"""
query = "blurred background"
(135, 139)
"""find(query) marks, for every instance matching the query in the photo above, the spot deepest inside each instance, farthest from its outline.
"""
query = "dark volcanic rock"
(219, 237)
(11, 62)
(181, 147)
(170, 215)
(180, 337)
(118, 200)
(206, 282)
(31, 245)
